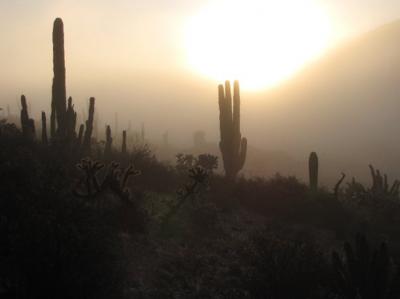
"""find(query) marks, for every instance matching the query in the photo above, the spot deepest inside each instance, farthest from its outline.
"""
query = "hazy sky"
(128, 52)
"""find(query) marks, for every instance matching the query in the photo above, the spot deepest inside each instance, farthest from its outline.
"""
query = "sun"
(259, 42)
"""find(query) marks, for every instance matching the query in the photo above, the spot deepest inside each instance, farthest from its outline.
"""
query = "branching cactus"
(44, 128)
(58, 90)
(233, 147)
(313, 171)
(27, 124)
(380, 184)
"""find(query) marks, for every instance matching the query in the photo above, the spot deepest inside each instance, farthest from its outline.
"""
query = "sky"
(131, 53)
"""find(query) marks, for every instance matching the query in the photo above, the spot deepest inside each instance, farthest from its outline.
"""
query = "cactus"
(27, 124)
(108, 145)
(380, 185)
(123, 142)
(70, 122)
(80, 134)
(44, 128)
(89, 127)
(364, 273)
(58, 101)
(313, 171)
(233, 147)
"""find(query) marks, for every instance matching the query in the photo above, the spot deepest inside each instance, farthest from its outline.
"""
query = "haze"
(131, 55)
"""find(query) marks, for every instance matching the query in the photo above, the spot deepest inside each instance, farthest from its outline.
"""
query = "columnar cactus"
(89, 127)
(108, 145)
(27, 124)
(123, 142)
(233, 147)
(70, 121)
(80, 134)
(313, 171)
(58, 90)
(44, 128)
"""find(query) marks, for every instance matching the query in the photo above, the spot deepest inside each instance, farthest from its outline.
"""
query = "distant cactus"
(108, 145)
(70, 122)
(233, 147)
(87, 140)
(80, 134)
(123, 142)
(58, 90)
(44, 128)
(313, 171)
(380, 185)
(27, 124)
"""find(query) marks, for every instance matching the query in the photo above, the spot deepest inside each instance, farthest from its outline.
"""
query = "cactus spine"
(58, 101)
(27, 124)
(313, 171)
(233, 147)
(44, 128)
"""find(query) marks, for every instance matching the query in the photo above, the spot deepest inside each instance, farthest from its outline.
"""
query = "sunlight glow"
(260, 42)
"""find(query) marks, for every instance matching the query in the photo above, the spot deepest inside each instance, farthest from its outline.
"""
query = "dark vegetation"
(80, 218)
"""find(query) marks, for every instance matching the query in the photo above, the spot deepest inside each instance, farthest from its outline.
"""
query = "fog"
(345, 106)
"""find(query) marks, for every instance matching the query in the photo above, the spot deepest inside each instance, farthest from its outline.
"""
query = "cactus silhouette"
(89, 127)
(27, 124)
(233, 147)
(123, 149)
(380, 185)
(44, 128)
(313, 171)
(80, 134)
(108, 145)
(364, 273)
(58, 100)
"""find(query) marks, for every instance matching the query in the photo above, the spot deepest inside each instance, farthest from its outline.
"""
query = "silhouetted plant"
(27, 124)
(233, 147)
(365, 274)
(313, 171)
(108, 144)
(380, 185)
(336, 189)
(59, 98)
(198, 180)
(123, 149)
(207, 162)
(87, 139)
(115, 179)
(44, 129)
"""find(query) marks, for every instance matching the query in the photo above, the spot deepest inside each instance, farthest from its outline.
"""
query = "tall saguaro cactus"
(233, 147)
(59, 97)
(313, 171)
